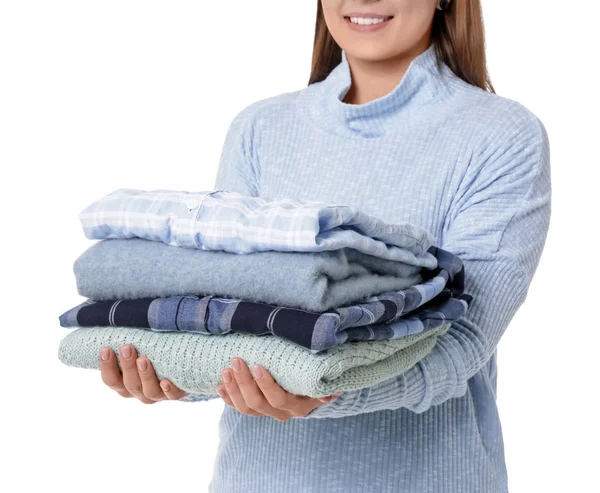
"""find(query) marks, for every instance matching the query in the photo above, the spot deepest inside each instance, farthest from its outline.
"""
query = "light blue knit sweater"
(471, 167)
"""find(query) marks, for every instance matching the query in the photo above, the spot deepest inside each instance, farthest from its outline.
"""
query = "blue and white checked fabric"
(233, 222)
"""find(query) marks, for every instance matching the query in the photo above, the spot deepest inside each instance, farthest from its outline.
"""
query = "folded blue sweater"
(317, 281)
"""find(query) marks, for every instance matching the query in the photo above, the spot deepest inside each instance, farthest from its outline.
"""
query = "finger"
(131, 377)
(251, 392)
(109, 370)
(232, 389)
(278, 397)
(172, 392)
(150, 387)
(224, 395)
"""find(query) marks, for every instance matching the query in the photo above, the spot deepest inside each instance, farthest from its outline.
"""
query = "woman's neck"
(374, 79)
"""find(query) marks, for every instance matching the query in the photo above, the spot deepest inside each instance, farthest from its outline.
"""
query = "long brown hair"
(457, 33)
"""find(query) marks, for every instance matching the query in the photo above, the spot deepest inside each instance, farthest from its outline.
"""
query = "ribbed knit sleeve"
(238, 168)
(497, 224)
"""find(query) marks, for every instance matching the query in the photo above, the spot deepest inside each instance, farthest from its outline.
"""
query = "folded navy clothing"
(209, 315)
(391, 315)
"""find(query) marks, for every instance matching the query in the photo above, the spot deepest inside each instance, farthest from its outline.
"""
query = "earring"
(442, 4)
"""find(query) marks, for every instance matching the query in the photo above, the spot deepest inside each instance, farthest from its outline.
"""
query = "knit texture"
(194, 362)
(137, 268)
(471, 167)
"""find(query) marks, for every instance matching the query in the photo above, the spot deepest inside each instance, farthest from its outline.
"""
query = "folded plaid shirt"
(229, 221)
(436, 301)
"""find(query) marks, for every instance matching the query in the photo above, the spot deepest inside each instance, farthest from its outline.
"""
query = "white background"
(96, 96)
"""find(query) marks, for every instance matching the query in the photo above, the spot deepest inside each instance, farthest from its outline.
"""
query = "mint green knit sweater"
(194, 362)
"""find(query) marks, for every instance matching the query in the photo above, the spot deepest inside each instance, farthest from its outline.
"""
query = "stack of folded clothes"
(325, 297)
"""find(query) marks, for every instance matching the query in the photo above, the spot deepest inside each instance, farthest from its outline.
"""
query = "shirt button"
(192, 203)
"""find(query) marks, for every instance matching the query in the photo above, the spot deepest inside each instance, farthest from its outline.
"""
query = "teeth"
(366, 20)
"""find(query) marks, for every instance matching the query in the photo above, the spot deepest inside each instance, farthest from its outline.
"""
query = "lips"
(368, 14)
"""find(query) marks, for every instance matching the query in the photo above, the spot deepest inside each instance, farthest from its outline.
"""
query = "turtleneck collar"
(421, 82)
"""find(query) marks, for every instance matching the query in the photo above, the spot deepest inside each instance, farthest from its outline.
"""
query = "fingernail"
(236, 364)
(337, 394)
(257, 372)
(226, 376)
(165, 386)
(221, 392)
(126, 352)
(104, 354)
(142, 364)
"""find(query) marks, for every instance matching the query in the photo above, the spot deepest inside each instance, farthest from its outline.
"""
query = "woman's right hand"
(137, 379)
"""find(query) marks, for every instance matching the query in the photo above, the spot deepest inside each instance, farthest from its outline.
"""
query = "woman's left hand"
(261, 395)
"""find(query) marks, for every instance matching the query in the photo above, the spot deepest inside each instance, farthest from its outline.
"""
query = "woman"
(383, 127)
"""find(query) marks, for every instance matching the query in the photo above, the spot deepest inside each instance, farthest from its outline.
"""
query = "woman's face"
(409, 26)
